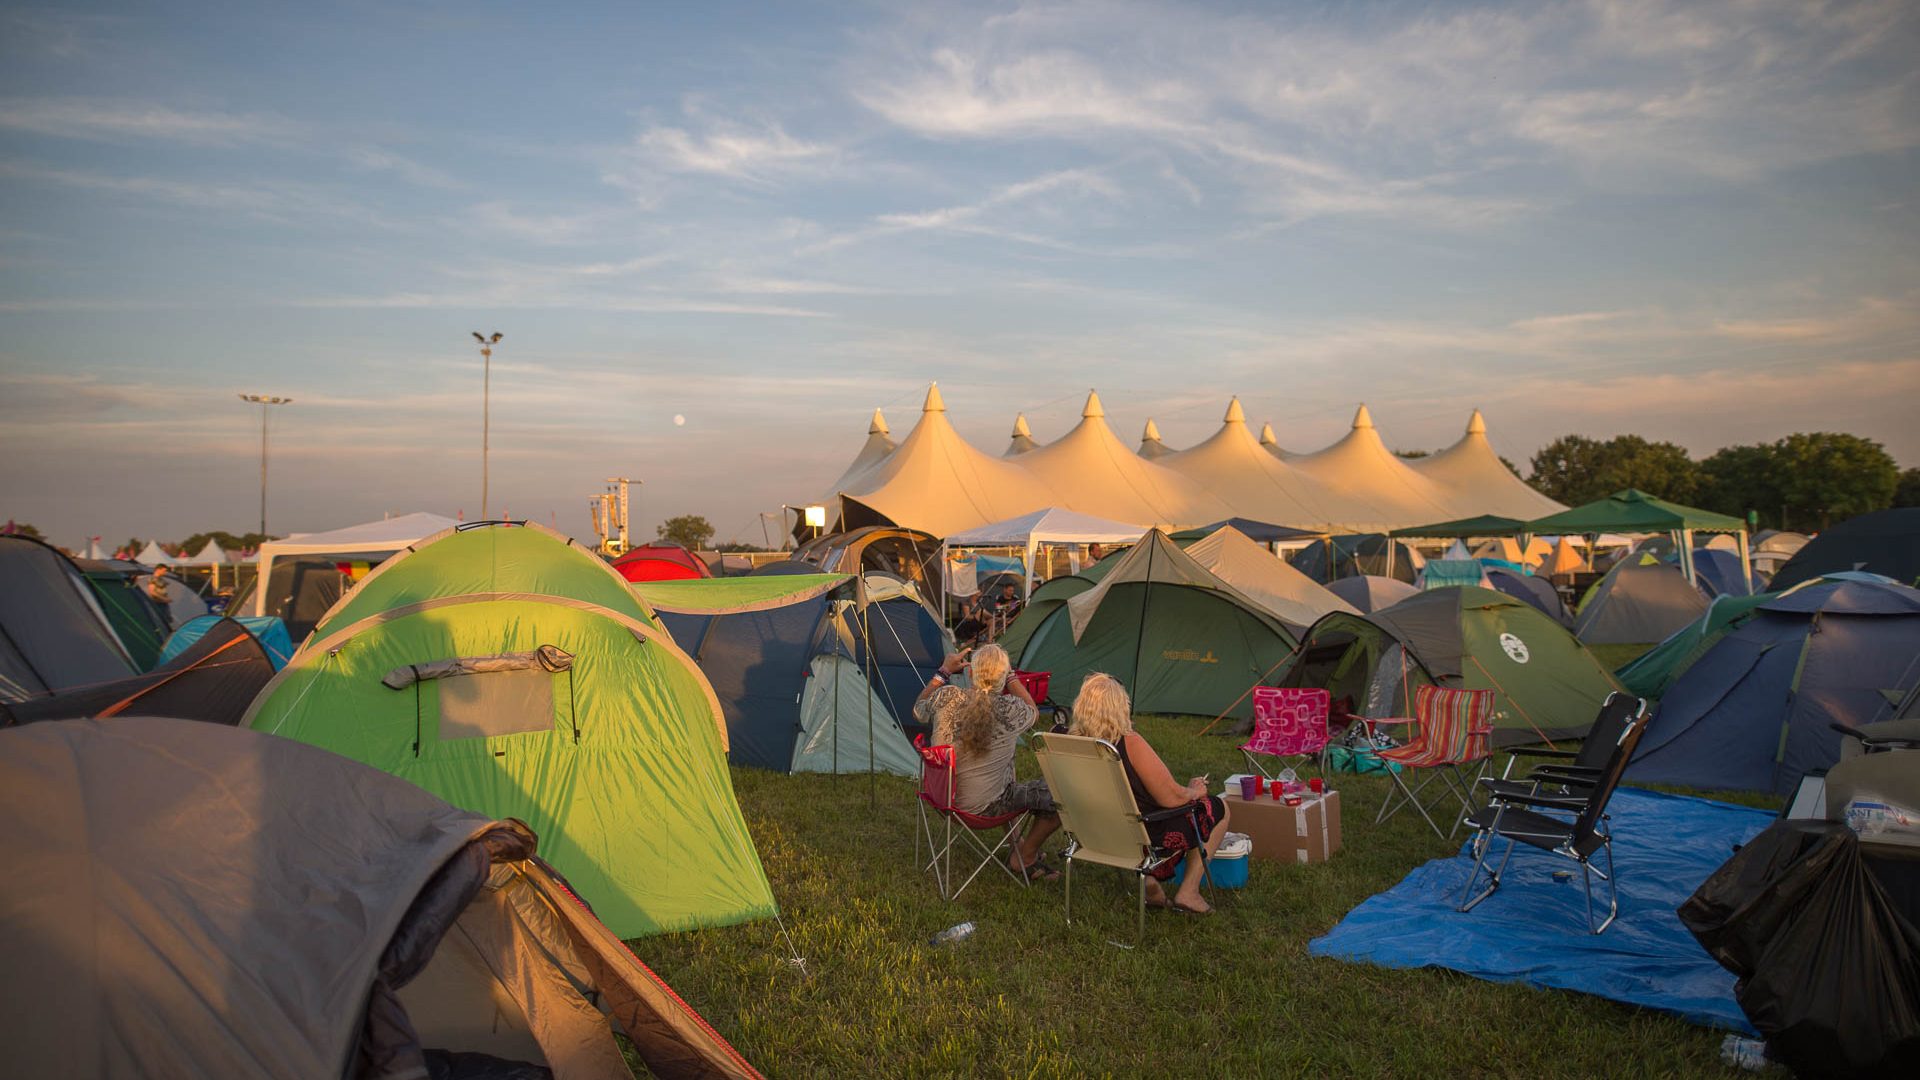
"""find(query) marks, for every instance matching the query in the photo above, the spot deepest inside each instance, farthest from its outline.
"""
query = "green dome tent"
(1546, 684)
(513, 673)
(1179, 638)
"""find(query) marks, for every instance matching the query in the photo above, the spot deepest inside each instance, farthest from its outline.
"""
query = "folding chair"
(1520, 819)
(1103, 822)
(1455, 735)
(1288, 722)
(936, 796)
(1037, 684)
(1571, 769)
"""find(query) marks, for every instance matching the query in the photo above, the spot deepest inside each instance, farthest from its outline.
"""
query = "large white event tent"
(371, 540)
(1049, 526)
(937, 482)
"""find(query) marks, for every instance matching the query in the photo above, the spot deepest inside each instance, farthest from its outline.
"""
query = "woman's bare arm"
(1153, 773)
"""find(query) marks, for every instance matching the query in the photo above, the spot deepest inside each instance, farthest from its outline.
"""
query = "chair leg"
(1408, 795)
(1069, 889)
(1493, 879)
(992, 856)
(1254, 764)
(1613, 890)
(1140, 929)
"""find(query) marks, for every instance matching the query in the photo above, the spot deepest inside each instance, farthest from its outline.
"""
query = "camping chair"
(1455, 733)
(1519, 818)
(1580, 766)
(1097, 809)
(1288, 722)
(936, 795)
(1037, 684)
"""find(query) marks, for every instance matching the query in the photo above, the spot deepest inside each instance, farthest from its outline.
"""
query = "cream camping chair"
(1098, 811)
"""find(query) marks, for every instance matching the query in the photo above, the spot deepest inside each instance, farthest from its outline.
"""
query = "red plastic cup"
(1318, 785)
(1259, 785)
(1275, 788)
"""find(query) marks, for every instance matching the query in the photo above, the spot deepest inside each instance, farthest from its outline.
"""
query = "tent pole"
(1140, 638)
(1685, 539)
(1033, 547)
(866, 640)
(1746, 564)
(1389, 554)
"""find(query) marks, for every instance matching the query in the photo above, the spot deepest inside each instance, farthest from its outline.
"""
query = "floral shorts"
(1023, 795)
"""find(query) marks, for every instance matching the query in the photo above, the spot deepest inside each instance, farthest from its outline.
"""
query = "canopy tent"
(1263, 577)
(1178, 637)
(54, 635)
(1052, 525)
(1475, 480)
(1752, 713)
(213, 680)
(303, 916)
(1639, 602)
(295, 593)
(155, 555)
(1022, 440)
(1633, 511)
(787, 659)
(661, 561)
(512, 671)
(1482, 525)
(1260, 531)
(1545, 683)
(1370, 592)
(1884, 542)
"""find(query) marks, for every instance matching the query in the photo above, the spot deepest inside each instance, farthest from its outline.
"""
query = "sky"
(1692, 221)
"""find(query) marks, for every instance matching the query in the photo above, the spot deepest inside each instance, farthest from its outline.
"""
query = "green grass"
(1234, 994)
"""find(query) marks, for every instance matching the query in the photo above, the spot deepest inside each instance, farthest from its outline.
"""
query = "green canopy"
(1633, 511)
(1484, 525)
(571, 711)
(728, 596)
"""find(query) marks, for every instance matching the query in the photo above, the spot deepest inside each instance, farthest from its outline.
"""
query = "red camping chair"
(1454, 745)
(1288, 722)
(936, 795)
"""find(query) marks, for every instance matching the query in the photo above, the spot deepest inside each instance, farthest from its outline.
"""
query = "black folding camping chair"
(1570, 769)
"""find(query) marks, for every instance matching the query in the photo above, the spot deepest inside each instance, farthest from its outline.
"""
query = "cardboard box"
(1308, 833)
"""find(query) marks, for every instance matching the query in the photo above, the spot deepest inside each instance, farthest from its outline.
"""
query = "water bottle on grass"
(953, 934)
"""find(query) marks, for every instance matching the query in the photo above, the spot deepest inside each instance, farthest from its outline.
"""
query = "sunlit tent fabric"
(1254, 483)
(786, 658)
(1260, 576)
(1022, 440)
(1150, 445)
(878, 446)
(1375, 488)
(136, 621)
(271, 632)
(1474, 480)
(1566, 558)
(661, 562)
(1507, 549)
(1641, 600)
(1271, 444)
(1178, 637)
(1884, 542)
(1370, 592)
(53, 632)
(1096, 474)
(510, 671)
(1753, 712)
(214, 680)
(194, 900)
(1545, 683)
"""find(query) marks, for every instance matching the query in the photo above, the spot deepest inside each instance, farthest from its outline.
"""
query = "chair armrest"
(1383, 721)
(1542, 751)
(1166, 813)
(1578, 772)
(1548, 802)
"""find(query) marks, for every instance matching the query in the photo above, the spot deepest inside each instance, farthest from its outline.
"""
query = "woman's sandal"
(1039, 870)
(1185, 910)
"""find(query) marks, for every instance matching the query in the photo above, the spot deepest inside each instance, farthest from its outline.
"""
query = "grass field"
(1234, 994)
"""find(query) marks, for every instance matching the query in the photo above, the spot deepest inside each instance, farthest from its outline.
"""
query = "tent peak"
(1235, 414)
(934, 402)
(1362, 418)
(1020, 426)
(879, 424)
(1094, 408)
(1476, 424)
(1266, 436)
(1151, 432)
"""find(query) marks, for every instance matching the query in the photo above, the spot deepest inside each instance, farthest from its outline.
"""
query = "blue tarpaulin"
(1534, 929)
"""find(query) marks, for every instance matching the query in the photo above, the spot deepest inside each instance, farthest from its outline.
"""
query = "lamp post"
(264, 401)
(486, 391)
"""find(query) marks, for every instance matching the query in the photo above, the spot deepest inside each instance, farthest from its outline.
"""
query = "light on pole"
(486, 391)
(265, 401)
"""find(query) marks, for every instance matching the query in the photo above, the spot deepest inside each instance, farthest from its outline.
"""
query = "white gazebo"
(372, 540)
(1053, 525)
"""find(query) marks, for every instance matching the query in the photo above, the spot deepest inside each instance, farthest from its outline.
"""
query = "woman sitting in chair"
(1103, 711)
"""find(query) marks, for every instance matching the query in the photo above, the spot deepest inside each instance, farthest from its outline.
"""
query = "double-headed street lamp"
(486, 391)
(264, 401)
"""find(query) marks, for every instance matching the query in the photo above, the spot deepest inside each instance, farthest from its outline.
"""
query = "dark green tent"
(130, 613)
(1547, 685)
(1179, 638)
(1050, 595)
(1484, 525)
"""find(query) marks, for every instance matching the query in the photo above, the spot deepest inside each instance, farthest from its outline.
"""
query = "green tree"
(1908, 493)
(690, 531)
(1576, 469)
(1736, 479)
(1829, 476)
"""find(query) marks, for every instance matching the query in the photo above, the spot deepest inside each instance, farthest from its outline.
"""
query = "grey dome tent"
(1884, 542)
(1752, 712)
(786, 658)
(196, 900)
(1537, 591)
(1370, 592)
(1640, 601)
(53, 633)
(214, 680)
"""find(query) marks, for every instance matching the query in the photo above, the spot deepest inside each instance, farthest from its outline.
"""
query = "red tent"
(661, 562)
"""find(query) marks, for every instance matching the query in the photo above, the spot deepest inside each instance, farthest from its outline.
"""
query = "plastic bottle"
(1740, 1052)
(953, 934)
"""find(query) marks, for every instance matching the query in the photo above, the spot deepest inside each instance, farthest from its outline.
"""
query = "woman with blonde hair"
(982, 723)
(1103, 711)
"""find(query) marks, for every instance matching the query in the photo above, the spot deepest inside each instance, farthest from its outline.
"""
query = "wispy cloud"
(81, 118)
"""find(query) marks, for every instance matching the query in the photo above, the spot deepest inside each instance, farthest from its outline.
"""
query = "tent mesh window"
(496, 703)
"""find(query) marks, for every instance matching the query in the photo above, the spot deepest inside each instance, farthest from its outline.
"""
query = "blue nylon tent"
(1534, 590)
(270, 630)
(1752, 713)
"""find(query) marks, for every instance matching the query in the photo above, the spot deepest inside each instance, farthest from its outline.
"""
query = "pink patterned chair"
(1288, 722)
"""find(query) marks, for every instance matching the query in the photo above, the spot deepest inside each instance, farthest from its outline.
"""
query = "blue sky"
(1693, 221)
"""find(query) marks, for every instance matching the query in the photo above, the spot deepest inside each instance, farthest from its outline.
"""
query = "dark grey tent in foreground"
(195, 900)
(214, 680)
(53, 633)
(1639, 602)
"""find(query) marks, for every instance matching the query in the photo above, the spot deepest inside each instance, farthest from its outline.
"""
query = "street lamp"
(264, 401)
(486, 391)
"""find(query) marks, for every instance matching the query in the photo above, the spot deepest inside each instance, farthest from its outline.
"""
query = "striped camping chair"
(1453, 744)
